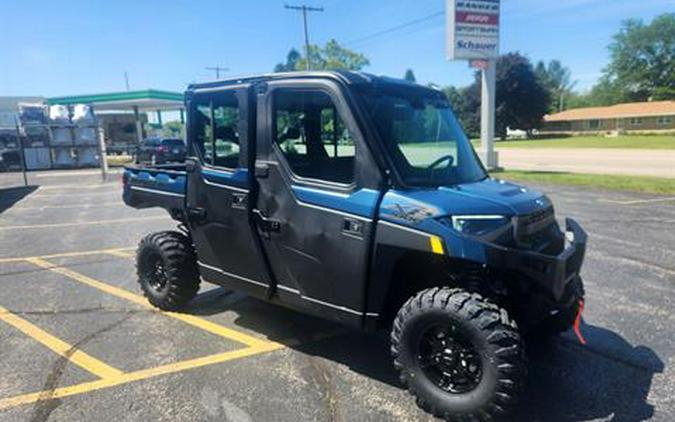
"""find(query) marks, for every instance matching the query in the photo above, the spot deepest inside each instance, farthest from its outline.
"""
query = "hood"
(489, 196)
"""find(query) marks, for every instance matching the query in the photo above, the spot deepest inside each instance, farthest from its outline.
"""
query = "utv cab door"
(220, 130)
(318, 194)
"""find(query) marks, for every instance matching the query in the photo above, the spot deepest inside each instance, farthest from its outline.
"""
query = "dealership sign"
(473, 29)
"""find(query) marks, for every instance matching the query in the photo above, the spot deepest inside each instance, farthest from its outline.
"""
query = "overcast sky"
(54, 48)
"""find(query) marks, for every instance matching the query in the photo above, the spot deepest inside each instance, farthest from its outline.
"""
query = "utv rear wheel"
(460, 355)
(167, 269)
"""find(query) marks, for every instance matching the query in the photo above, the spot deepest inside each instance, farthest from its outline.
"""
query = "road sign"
(472, 29)
(473, 34)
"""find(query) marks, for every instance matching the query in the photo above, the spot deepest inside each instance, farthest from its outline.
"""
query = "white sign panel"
(472, 29)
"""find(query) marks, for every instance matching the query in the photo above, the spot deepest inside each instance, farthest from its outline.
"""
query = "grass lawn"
(119, 160)
(624, 141)
(642, 184)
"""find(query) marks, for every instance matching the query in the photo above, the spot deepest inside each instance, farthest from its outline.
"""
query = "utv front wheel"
(460, 355)
(167, 269)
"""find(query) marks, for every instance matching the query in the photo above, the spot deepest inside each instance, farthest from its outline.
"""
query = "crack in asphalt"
(638, 262)
(100, 309)
(648, 263)
(323, 376)
(45, 405)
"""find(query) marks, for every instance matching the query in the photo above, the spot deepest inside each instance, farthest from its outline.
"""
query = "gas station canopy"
(144, 100)
(137, 101)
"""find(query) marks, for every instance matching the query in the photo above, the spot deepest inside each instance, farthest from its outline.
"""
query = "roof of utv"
(343, 76)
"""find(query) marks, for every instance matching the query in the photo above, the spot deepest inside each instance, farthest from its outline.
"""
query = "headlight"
(478, 225)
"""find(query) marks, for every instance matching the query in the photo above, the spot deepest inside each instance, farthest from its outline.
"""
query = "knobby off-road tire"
(475, 332)
(563, 320)
(166, 265)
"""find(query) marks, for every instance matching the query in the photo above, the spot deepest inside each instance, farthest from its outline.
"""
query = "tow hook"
(577, 323)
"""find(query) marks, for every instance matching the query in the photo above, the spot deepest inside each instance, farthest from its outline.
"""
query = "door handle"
(352, 227)
(239, 200)
(197, 214)
(266, 224)
(262, 170)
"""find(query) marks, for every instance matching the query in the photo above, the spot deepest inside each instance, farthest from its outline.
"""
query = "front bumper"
(552, 274)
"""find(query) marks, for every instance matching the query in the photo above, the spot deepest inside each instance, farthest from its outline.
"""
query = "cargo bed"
(162, 186)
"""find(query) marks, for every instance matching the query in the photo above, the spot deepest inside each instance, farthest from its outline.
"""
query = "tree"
(291, 64)
(579, 100)
(642, 60)
(332, 56)
(557, 79)
(521, 99)
(173, 129)
(465, 103)
(410, 76)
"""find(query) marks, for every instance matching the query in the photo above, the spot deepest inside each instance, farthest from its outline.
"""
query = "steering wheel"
(448, 158)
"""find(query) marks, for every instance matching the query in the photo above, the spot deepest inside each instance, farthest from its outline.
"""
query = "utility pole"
(304, 9)
(217, 69)
(126, 79)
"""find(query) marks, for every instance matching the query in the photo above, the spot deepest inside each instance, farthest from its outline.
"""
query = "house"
(653, 116)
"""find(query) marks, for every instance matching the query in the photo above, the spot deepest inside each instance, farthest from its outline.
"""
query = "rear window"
(173, 142)
(151, 141)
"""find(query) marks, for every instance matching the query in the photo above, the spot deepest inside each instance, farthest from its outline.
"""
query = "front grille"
(533, 222)
(533, 219)
(537, 230)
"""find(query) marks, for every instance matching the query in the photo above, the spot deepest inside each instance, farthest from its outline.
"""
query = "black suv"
(161, 150)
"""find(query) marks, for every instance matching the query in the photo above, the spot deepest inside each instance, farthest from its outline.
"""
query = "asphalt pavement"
(77, 342)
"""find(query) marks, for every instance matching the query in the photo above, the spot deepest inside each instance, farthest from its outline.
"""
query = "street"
(657, 163)
(78, 341)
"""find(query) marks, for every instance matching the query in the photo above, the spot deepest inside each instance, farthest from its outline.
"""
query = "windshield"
(423, 137)
(173, 142)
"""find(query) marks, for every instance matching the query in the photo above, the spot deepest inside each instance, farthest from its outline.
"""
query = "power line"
(395, 28)
(304, 9)
(217, 69)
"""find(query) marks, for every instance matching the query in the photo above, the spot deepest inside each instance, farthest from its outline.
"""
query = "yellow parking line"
(120, 254)
(83, 223)
(59, 346)
(125, 294)
(111, 376)
(77, 187)
(67, 254)
(71, 194)
(137, 375)
(78, 206)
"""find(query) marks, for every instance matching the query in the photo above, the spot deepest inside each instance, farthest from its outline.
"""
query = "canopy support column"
(139, 126)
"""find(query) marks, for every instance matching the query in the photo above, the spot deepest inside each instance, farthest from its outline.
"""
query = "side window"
(216, 128)
(311, 135)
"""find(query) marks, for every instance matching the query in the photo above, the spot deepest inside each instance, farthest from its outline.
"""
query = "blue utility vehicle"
(360, 199)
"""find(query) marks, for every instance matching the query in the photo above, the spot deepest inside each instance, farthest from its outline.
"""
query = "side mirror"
(291, 133)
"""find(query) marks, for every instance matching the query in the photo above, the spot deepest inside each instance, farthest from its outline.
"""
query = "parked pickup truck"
(360, 199)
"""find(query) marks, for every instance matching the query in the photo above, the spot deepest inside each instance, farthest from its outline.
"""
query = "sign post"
(473, 34)
(487, 116)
